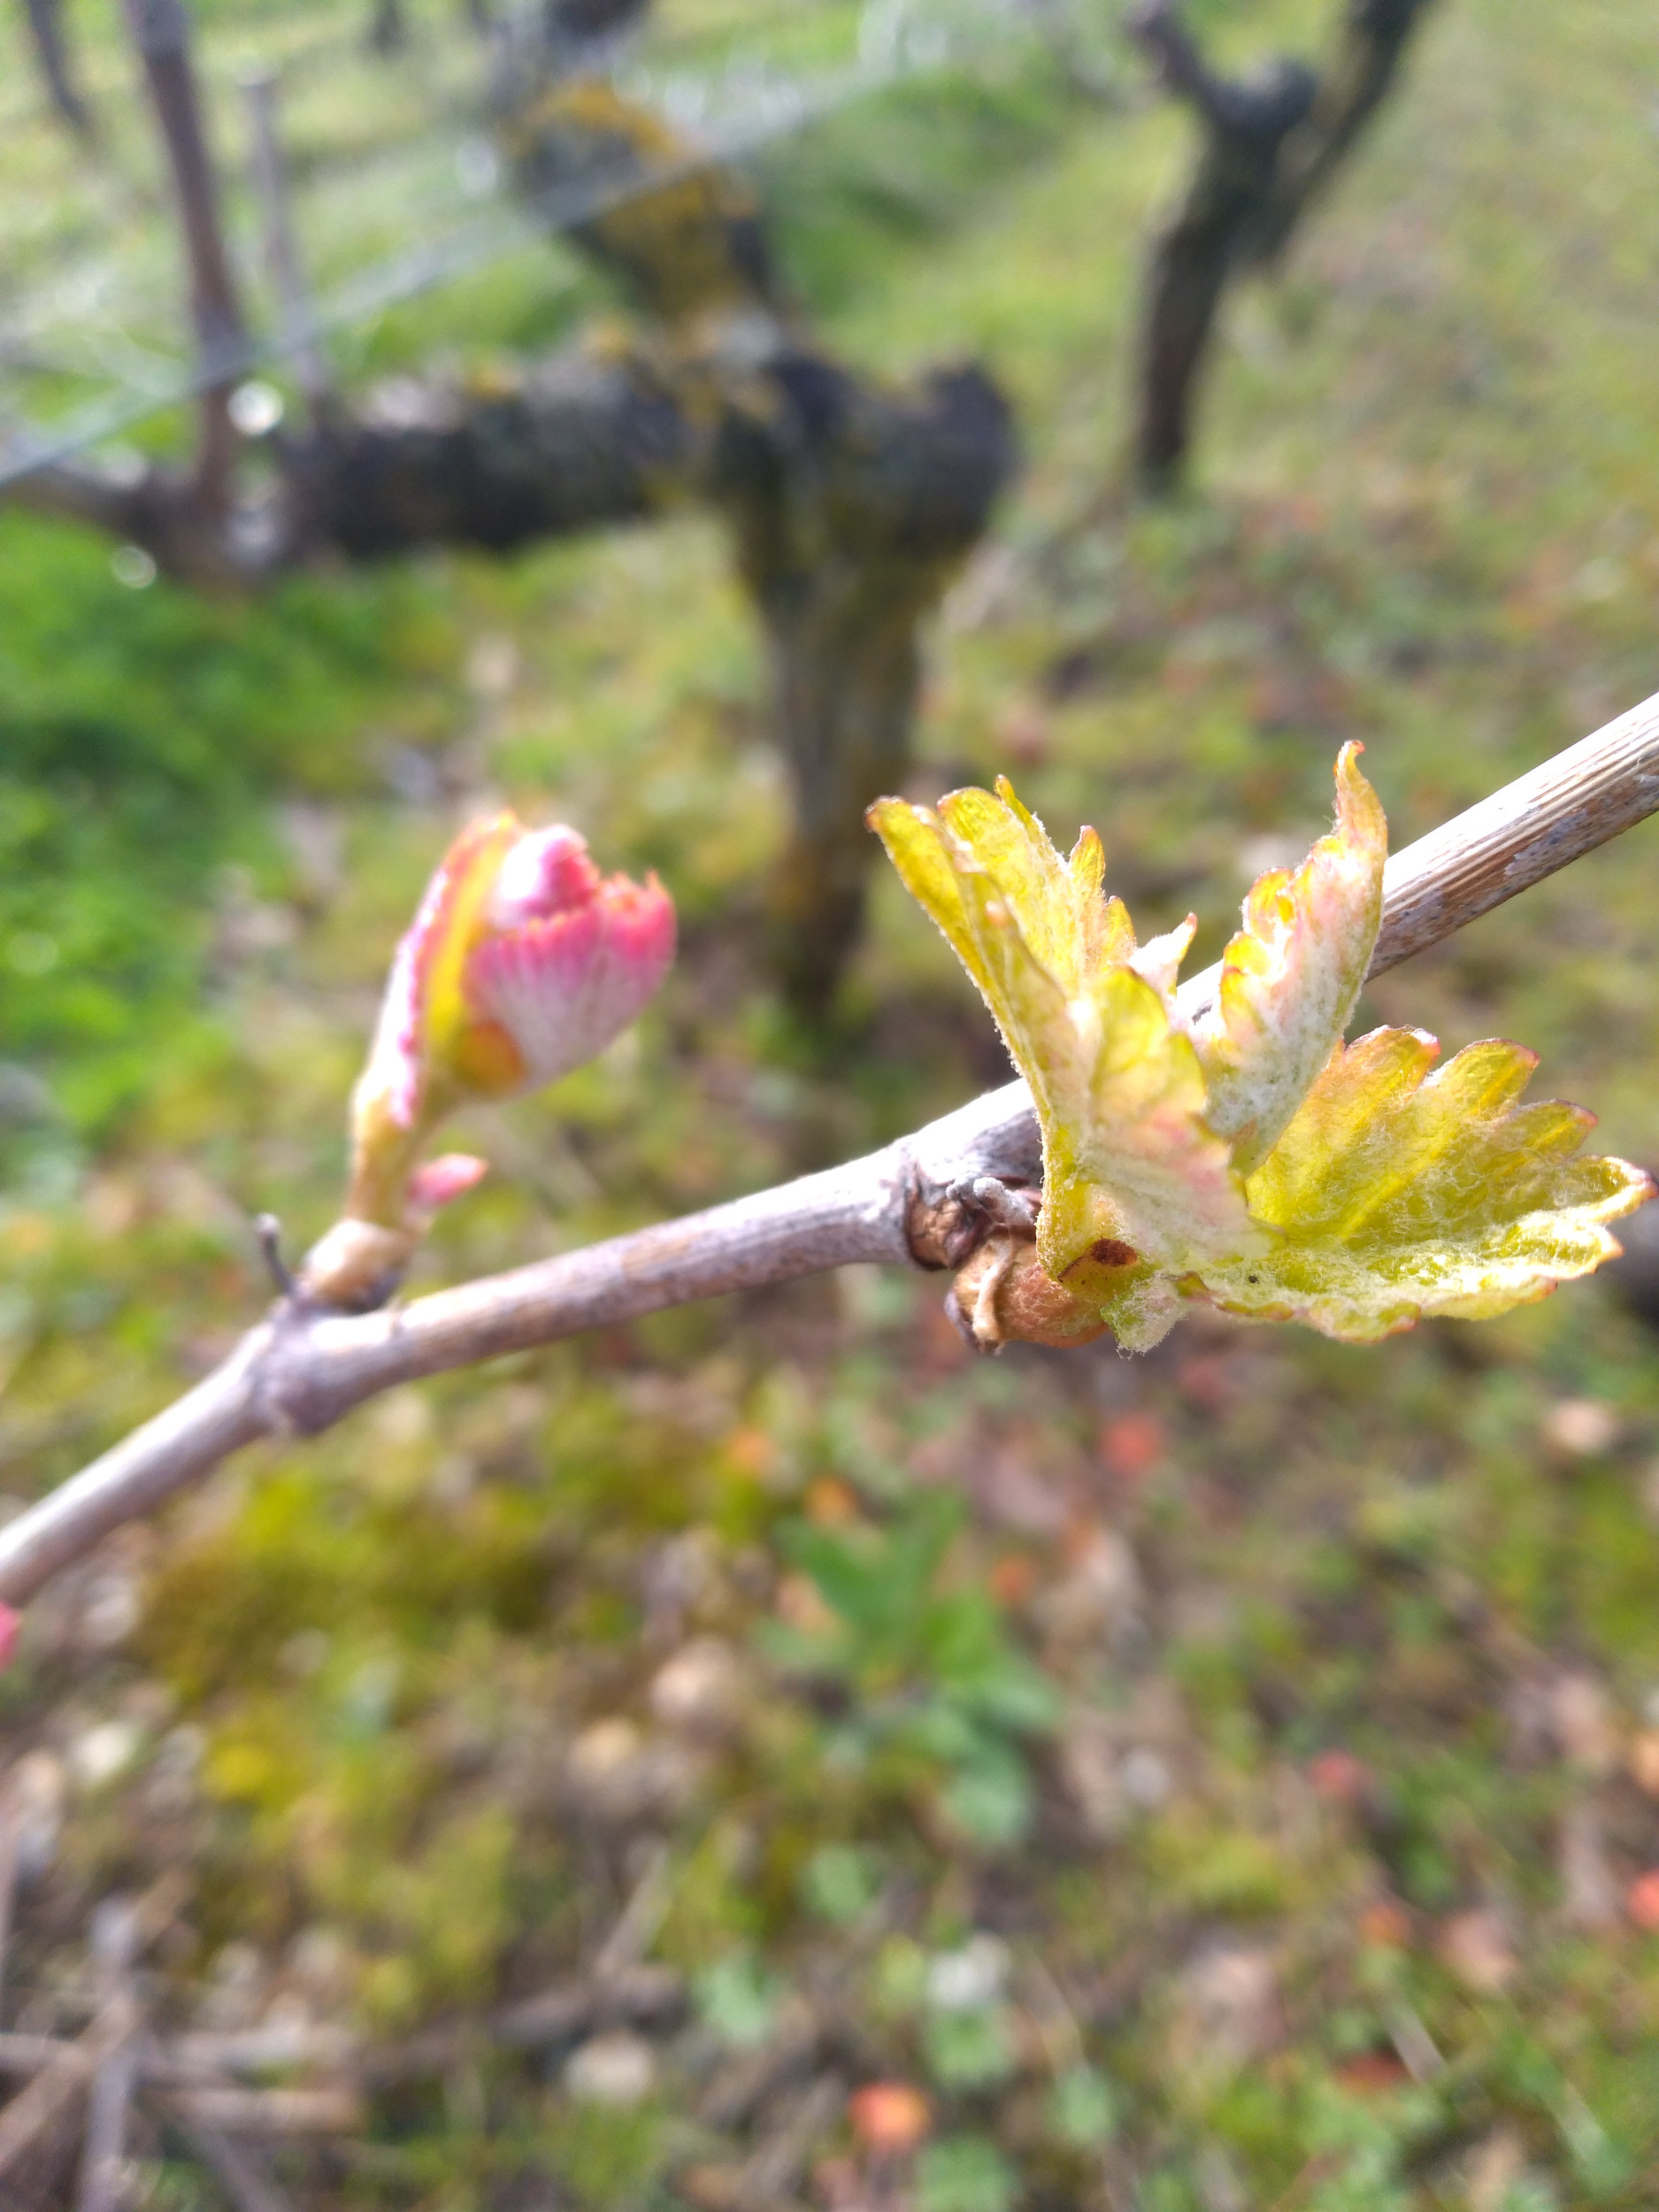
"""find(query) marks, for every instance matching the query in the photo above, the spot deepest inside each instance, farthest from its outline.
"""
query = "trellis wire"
(892, 48)
(104, 77)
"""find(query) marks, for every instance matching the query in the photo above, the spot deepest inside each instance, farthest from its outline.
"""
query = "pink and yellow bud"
(522, 964)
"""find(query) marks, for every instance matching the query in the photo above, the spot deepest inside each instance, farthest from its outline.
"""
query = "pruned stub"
(985, 1229)
(946, 1224)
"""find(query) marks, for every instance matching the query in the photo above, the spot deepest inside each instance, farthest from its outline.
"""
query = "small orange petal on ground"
(1372, 2073)
(1013, 1579)
(1133, 1445)
(889, 2116)
(1339, 1778)
(750, 1450)
(1386, 1925)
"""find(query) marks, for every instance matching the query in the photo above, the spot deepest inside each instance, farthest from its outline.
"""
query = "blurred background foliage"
(1221, 1780)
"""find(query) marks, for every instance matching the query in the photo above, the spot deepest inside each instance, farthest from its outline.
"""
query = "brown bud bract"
(1003, 1295)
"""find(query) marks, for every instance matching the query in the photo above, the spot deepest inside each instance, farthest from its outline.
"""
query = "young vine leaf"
(1250, 1159)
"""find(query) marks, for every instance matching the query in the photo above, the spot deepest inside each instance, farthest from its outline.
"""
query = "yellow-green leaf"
(1132, 1175)
(1260, 1164)
(1127, 1156)
(1055, 905)
(1398, 1191)
(1290, 977)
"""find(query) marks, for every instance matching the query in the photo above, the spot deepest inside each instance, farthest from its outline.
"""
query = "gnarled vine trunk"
(851, 506)
(1270, 144)
(583, 441)
(1375, 34)
(47, 35)
(1245, 125)
(851, 509)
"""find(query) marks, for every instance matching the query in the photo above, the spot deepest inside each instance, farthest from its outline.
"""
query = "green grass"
(1425, 514)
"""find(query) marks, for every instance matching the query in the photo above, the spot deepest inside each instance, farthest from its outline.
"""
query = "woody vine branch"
(304, 1367)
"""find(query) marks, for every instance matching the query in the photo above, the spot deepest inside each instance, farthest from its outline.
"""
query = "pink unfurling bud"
(522, 964)
(569, 957)
(10, 1623)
